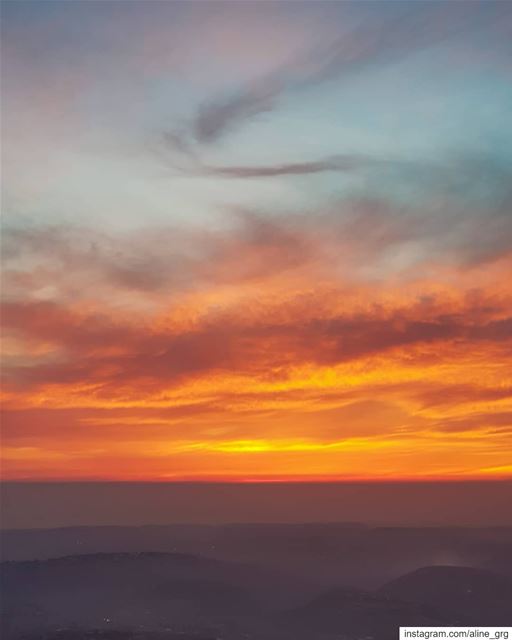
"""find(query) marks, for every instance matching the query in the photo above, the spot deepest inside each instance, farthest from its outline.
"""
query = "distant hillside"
(154, 596)
(323, 554)
(474, 595)
(146, 590)
(358, 614)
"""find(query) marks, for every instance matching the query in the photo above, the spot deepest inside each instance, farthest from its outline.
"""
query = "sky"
(54, 505)
(256, 240)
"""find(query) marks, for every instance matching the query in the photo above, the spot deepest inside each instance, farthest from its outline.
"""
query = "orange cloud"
(271, 357)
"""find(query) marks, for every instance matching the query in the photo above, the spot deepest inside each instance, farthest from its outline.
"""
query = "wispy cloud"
(334, 163)
(384, 38)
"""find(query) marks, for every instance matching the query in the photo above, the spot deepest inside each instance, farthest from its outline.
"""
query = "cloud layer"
(279, 341)
(257, 241)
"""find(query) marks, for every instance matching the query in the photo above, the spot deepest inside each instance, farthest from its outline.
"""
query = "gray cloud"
(382, 37)
(387, 37)
(342, 163)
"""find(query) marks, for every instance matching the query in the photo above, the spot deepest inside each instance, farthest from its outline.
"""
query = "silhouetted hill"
(359, 614)
(472, 595)
(363, 556)
(145, 590)
(130, 596)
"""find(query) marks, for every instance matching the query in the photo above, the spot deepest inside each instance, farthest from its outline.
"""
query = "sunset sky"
(257, 240)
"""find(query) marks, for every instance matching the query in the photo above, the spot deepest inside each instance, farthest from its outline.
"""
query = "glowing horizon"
(232, 262)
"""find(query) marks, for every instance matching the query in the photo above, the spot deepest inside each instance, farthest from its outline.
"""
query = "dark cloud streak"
(375, 41)
(342, 163)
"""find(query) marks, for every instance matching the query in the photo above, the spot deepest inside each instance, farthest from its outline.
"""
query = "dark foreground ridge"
(171, 596)
(477, 596)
